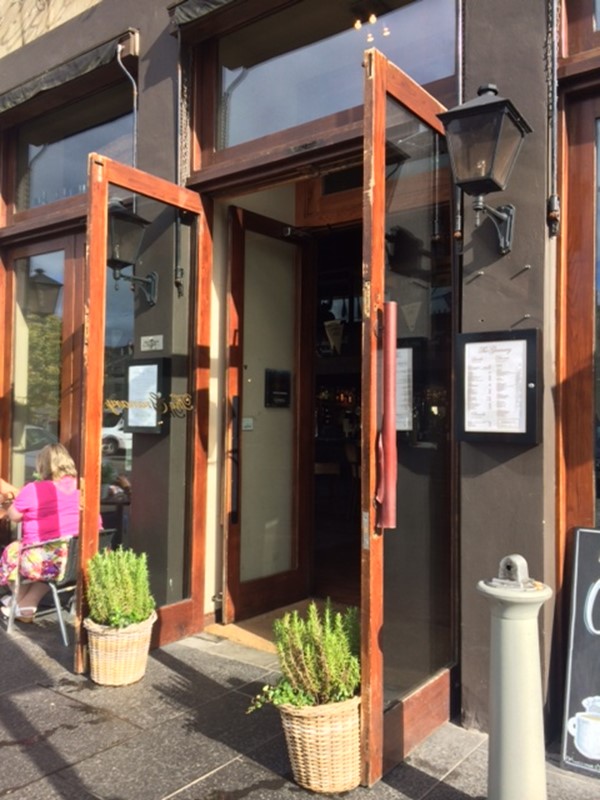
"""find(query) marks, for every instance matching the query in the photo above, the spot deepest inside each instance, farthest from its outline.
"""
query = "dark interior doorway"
(337, 385)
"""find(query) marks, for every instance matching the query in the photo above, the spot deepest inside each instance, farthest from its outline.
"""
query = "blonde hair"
(54, 462)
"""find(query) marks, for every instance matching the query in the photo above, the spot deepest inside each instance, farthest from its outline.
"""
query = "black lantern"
(484, 138)
(125, 234)
(42, 293)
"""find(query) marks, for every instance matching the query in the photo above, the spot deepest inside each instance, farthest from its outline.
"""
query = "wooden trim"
(226, 20)
(576, 341)
(415, 718)
(372, 539)
(7, 293)
(579, 28)
(46, 221)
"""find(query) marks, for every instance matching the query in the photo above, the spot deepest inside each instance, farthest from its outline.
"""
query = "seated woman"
(47, 508)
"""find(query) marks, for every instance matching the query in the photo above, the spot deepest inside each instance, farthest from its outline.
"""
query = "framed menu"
(499, 386)
(145, 396)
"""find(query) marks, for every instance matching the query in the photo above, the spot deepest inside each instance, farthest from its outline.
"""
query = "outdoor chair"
(60, 588)
(57, 588)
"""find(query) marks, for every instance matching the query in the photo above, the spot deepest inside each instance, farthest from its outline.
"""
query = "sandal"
(26, 614)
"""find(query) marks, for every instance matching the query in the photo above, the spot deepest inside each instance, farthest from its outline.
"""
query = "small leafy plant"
(319, 658)
(118, 588)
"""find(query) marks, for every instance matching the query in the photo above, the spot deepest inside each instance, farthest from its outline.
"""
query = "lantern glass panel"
(510, 140)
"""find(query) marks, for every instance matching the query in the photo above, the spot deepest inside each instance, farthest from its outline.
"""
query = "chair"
(66, 584)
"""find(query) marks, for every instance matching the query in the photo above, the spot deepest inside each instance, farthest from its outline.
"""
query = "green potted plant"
(318, 696)
(121, 613)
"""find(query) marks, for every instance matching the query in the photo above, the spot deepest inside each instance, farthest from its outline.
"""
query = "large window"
(305, 62)
(52, 150)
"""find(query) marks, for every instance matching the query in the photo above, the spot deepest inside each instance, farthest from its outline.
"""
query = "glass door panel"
(145, 389)
(37, 351)
(417, 555)
(407, 643)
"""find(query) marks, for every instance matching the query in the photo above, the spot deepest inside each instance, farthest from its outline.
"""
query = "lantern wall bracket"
(148, 285)
(503, 218)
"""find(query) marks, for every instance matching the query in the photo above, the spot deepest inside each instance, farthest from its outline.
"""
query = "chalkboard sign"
(581, 727)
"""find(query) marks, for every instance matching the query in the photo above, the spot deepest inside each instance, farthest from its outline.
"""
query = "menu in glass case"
(498, 376)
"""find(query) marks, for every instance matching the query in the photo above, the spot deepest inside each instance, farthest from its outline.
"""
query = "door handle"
(387, 450)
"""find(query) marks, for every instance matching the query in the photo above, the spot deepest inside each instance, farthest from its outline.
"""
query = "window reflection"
(116, 440)
(37, 364)
(53, 150)
(318, 64)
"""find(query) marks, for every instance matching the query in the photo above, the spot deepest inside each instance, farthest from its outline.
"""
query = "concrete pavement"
(182, 732)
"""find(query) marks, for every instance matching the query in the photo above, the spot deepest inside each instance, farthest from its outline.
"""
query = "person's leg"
(29, 597)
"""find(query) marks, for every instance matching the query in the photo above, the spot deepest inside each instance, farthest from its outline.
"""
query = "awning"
(64, 73)
(192, 10)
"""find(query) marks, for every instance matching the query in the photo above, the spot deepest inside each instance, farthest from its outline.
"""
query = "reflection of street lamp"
(42, 293)
(125, 234)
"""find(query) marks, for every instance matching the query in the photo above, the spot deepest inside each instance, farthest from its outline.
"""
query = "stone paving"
(182, 732)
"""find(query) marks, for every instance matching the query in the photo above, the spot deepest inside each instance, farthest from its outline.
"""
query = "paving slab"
(182, 732)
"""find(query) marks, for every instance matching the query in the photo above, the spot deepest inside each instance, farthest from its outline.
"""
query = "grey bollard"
(517, 755)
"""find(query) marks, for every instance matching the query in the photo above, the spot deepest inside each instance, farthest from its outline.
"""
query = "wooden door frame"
(576, 340)
(242, 600)
(186, 616)
(384, 741)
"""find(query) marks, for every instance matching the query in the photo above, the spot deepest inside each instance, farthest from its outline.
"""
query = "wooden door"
(406, 256)
(268, 441)
(175, 204)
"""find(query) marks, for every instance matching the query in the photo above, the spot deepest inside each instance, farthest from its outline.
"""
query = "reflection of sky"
(59, 169)
(326, 77)
(119, 312)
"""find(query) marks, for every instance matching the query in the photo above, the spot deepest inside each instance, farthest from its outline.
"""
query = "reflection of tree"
(43, 391)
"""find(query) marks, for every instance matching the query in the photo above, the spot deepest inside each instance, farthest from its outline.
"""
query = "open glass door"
(145, 395)
(407, 643)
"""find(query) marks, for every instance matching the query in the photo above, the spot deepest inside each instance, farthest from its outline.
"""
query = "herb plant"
(318, 657)
(118, 588)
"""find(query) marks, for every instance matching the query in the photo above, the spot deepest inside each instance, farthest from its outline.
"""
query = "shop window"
(304, 63)
(52, 150)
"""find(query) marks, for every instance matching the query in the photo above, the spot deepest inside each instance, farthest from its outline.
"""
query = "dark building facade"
(309, 294)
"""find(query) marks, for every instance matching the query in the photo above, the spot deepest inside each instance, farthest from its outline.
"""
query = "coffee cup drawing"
(584, 727)
(588, 609)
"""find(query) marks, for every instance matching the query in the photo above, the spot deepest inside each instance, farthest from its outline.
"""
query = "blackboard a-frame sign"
(580, 749)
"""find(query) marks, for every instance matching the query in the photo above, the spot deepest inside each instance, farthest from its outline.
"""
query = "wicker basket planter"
(118, 656)
(324, 745)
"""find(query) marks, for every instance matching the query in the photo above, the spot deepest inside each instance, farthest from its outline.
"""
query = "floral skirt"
(46, 562)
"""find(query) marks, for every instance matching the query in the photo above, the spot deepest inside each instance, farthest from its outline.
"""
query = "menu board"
(580, 750)
(495, 388)
(500, 385)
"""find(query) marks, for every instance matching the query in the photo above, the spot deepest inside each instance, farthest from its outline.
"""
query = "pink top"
(50, 509)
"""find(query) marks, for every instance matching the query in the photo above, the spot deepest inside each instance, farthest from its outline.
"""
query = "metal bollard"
(517, 758)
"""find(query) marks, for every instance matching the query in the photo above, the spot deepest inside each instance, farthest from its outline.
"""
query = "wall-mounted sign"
(149, 344)
(499, 386)
(581, 726)
(278, 388)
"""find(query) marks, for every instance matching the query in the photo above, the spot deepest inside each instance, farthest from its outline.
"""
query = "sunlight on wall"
(26, 20)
